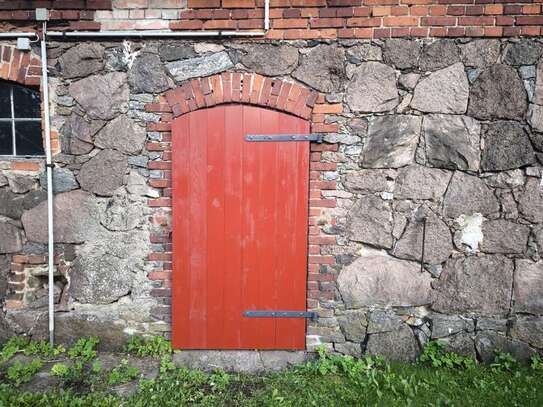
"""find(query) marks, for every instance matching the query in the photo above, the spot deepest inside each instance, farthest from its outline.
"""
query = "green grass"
(437, 379)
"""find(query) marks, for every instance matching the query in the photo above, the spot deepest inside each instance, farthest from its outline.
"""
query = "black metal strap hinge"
(282, 314)
(284, 137)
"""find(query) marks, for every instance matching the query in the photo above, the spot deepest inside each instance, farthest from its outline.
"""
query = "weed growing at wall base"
(438, 378)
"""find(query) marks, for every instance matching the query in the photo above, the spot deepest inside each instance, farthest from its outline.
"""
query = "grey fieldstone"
(379, 279)
(475, 284)
(99, 279)
(11, 238)
(392, 141)
(498, 93)
(20, 184)
(173, 52)
(364, 52)
(439, 54)
(121, 214)
(506, 179)
(503, 236)
(322, 68)
(528, 286)
(452, 141)
(270, 60)
(146, 75)
(102, 96)
(5, 268)
(489, 342)
(349, 348)
(438, 242)
(492, 324)
(535, 117)
(402, 53)
(506, 146)
(370, 221)
(200, 66)
(82, 60)
(467, 195)
(372, 88)
(103, 173)
(79, 134)
(63, 180)
(447, 325)
(529, 330)
(76, 215)
(538, 91)
(122, 134)
(380, 320)
(369, 181)
(11, 204)
(409, 80)
(523, 53)
(530, 203)
(443, 91)
(538, 235)
(353, 325)
(419, 182)
(398, 345)
(480, 53)
(462, 344)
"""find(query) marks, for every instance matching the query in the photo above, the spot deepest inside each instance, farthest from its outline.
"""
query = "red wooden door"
(239, 229)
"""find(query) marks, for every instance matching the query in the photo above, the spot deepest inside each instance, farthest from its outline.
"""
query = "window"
(20, 120)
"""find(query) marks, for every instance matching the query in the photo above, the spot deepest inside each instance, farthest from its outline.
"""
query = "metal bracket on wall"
(282, 314)
(284, 137)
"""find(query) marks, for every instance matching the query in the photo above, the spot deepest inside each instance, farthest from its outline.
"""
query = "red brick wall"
(292, 19)
(256, 90)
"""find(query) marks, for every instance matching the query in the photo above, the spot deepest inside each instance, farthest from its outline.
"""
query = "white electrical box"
(23, 44)
(42, 14)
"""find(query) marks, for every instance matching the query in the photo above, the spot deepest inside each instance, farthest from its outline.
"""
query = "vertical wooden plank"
(216, 255)
(233, 174)
(197, 331)
(180, 230)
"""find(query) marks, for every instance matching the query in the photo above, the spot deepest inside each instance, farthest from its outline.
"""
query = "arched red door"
(240, 213)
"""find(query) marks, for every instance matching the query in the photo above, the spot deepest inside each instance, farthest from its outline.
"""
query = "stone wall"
(450, 131)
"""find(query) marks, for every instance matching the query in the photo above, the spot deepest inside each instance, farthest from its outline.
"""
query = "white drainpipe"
(49, 168)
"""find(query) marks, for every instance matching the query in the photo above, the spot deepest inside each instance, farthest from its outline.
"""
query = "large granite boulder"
(420, 182)
(467, 195)
(525, 52)
(200, 66)
(503, 236)
(372, 88)
(446, 325)
(530, 202)
(488, 343)
(122, 134)
(402, 53)
(480, 53)
(506, 146)
(146, 75)
(11, 238)
(478, 285)
(11, 204)
(498, 93)
(439, 54)
(370, 221)
(452, 141)
(378, 279)
(102, 96)
(82, 60)
(528, 286)
(103, 173)
(529, 330)
(76, 214)
(353, 324)
(397, 345)
(322, 68)
(438, 241)
(392, 141)
(443, 91)
(268, 59)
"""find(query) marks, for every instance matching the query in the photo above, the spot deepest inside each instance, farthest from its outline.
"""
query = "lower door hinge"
(282, 314)
(284, 137)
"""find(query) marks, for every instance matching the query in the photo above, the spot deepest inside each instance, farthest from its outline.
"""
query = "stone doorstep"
(242, 361)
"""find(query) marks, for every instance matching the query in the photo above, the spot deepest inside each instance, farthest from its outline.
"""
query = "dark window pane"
(6, 139)
(28, 140)
(5, 104)
(26, 102)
